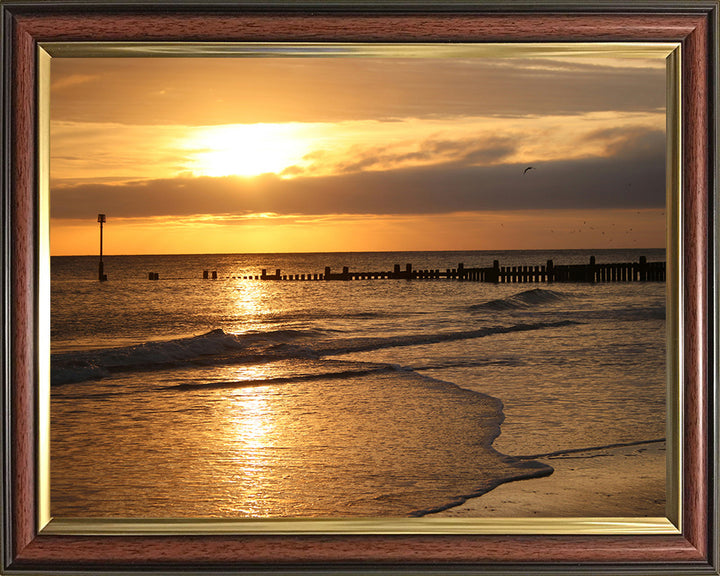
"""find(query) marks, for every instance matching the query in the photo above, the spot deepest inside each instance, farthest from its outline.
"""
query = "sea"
(236, 397)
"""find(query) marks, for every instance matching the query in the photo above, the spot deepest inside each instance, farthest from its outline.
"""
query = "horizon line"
(356, 252)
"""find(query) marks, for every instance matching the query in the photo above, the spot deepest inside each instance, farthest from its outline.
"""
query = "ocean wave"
(526, 299)
(214, 347)
(323, 314)
(217, 348)
(348, 345)
(331, 375)
(443, 364)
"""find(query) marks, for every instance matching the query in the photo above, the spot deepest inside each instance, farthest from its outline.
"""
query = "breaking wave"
(526, 299)
(217, 348)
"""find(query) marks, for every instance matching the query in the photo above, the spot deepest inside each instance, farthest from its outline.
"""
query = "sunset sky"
(306, 154)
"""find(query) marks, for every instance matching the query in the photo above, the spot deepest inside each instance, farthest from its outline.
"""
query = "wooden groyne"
(640, 271)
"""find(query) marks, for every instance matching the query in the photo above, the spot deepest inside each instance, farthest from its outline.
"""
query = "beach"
(608, 482)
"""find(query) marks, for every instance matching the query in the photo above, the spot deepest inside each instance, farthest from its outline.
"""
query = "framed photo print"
(351, 287)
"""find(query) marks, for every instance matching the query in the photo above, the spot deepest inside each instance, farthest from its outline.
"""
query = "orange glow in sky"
(287, 154)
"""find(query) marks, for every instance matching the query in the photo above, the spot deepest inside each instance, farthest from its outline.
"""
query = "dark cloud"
(629, 141)
(478, 150)
(635, 178)
(155, 91)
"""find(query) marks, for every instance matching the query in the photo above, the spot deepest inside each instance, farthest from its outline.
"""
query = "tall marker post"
(101, 275)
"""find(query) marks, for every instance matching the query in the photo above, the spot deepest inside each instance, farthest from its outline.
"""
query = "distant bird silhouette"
(528, 168)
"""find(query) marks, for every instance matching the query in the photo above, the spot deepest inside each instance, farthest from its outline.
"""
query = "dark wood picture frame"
(26, 24)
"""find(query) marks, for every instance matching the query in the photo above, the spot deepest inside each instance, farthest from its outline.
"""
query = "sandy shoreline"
(624, 481)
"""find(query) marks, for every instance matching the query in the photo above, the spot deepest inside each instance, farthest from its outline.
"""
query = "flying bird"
(528, 168)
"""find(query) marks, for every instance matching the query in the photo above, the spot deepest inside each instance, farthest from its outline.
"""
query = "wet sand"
(621, 482)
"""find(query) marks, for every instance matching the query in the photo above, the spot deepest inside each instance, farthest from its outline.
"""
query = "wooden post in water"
(102, 277)
(550, 271)
(590, 276)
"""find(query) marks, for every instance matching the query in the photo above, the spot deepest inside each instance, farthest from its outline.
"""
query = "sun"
(246, 149)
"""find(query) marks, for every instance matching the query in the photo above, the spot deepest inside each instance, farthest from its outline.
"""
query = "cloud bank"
(160, 91)
(633, 176)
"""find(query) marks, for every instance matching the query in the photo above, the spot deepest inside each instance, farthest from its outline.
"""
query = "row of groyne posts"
(640, 271)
